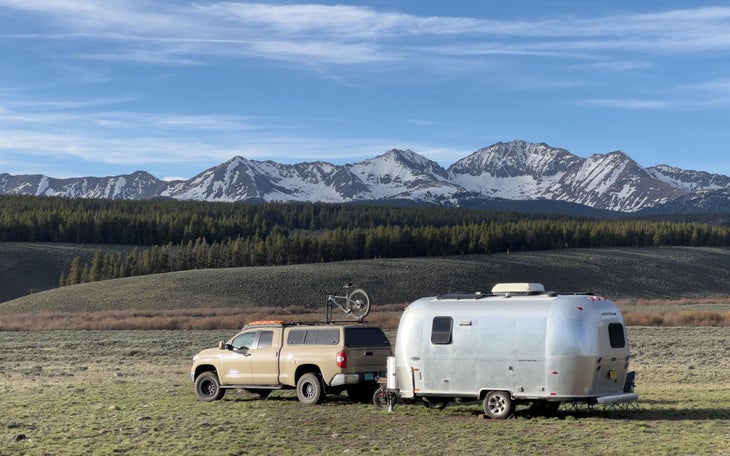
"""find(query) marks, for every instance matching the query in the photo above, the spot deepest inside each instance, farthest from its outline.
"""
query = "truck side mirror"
(222, 345)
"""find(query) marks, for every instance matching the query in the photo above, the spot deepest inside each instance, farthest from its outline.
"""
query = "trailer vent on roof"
(518, 288)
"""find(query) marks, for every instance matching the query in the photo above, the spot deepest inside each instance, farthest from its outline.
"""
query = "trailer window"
(441, 330)
(616, 335)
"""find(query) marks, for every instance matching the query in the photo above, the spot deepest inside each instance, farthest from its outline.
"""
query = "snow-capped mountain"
(138, 185)
(688, 179)
(516, 170)
(524, 171)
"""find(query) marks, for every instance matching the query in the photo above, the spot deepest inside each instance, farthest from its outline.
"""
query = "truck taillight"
(342, 359)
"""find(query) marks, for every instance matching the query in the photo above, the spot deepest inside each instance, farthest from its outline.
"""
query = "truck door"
(265, 357)
(236, 362)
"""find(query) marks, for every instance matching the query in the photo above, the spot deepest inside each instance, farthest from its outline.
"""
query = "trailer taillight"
(342, 359)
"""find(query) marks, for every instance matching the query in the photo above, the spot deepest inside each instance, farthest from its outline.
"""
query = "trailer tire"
(310, 389)
(498, 405)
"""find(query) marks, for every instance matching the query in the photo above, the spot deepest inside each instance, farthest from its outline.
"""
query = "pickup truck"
(313, 358)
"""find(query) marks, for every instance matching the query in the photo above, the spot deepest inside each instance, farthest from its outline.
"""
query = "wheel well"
(306, 369)
(204, 368)
(483, 393)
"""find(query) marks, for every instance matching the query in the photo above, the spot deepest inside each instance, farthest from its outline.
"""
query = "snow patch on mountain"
(515, 170)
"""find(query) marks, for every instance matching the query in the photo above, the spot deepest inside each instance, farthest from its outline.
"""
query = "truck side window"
(327, 337)
(265, 339)
(296, 336)
(244, 340)
(441, 330)
(616, 335)
(313, 337)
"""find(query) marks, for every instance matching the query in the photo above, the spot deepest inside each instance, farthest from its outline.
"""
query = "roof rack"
(300, 323)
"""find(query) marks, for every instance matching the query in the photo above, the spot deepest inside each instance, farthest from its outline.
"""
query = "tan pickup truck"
(313, 358)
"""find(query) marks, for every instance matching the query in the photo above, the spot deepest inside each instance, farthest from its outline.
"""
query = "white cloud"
(627, 103)
(152, 32)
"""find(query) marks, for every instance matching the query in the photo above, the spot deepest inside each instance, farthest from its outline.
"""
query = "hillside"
(623, 273)
(29, 267)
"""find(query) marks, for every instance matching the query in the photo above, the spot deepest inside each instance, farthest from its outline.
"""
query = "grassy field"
(128, 392)
(628, 273)
(653, 286)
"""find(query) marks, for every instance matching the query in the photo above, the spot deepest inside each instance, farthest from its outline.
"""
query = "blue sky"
(106, 87)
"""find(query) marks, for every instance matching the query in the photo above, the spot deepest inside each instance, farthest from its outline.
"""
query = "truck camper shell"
(518, 344)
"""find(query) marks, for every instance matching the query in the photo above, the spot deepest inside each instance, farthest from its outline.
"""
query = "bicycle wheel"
(358, 303)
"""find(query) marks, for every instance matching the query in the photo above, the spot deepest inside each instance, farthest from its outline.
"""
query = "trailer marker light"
(554, 372)
(553, 394)
(579, 308)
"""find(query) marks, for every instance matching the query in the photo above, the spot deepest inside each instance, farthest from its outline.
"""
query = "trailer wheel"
(498, 405)
(310, 390)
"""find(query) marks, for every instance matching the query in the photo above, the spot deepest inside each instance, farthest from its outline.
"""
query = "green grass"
(128, 392)
(630, 273)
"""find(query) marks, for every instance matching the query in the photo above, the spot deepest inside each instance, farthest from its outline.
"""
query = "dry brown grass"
(385, 316)
(683, 318)
(187, 319)
(644, 302)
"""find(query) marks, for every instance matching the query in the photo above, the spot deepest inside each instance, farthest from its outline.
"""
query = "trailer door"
(433, 371)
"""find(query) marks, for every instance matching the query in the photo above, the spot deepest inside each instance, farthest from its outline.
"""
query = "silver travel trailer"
(517, 345)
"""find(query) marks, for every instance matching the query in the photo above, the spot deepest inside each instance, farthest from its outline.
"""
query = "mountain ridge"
(515, 170)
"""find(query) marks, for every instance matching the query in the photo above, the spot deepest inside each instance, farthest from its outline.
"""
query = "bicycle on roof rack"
(355, 303)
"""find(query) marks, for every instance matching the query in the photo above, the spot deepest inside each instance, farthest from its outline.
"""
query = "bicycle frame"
(355, 307)
(334, 299)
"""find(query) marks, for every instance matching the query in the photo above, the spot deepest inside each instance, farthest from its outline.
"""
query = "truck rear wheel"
(498, 405)
(310, 390)
(208, 388)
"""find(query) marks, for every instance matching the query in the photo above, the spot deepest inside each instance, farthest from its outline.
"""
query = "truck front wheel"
(310, 390)
(498, 405)
(208, 388)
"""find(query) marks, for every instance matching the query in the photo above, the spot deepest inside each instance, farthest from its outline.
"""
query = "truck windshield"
(366, 337)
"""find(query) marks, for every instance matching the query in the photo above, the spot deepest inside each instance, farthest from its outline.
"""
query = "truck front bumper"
(352, 379)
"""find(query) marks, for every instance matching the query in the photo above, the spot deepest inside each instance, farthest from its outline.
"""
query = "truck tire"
(498, 405)
(208, 388)
(310, 390)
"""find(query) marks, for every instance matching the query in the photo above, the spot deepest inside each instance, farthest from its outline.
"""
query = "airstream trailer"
(517, 345)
